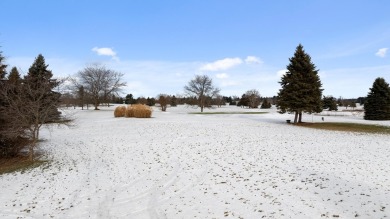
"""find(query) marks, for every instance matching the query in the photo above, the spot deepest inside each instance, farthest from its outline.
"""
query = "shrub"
(10, 147)
(120, 111)
(129, 111)
(142, 111)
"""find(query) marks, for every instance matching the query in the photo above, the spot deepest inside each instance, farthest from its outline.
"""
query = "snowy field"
(180, 165)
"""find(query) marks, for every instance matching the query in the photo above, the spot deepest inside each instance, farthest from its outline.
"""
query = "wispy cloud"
(381, 52)
(222, 64)
(253, 60)
(222, 76)
(280, 73)
(104, 51)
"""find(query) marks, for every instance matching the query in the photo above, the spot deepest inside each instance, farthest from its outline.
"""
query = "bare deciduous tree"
(202, 87)
(99, 82)
(253, 97)
(163, 100)
(219, 101)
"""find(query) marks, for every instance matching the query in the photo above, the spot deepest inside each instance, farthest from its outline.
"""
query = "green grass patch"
(218, 113)
(20, 163)
(348, 127)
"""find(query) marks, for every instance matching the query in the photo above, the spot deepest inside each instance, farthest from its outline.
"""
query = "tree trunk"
(96, 104)
(296, 117)
(201, 108)
(31, 148)
(300, 117)
(31, 153)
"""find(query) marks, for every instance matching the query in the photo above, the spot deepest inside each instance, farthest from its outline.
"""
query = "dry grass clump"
(120, 111)
(142, 111)
(138, 111)
(129, 111)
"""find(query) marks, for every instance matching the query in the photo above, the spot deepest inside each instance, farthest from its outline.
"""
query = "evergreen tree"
(38, 73)
(2, 66)
(377, 105)
(173, 101)
(301, 86)
(244, 101)
(266, 104)
(81, 96)
(129, 99)
(14, 76)
(330, 103)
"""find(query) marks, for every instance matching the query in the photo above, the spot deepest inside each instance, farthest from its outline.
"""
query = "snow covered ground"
(180, 165)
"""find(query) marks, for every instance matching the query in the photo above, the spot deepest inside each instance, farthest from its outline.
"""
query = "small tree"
(219, 101)
(266, 104)
(353, 105)
(301, 87)
(150, 101)
(129, 99)
(173, 101)
(202, 87)
(377, 105)
(163, 100)
(81, 96)
(99, 82)
(330, 103)
(244, 101)
(253, 98)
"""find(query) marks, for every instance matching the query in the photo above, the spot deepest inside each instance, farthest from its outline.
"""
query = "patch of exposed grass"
(348, 127)
(216, 113)
(20, 163)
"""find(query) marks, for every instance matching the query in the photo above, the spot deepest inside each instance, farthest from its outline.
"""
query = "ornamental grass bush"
(138, 111)
(142, 111)
(120, 111)
(129, 111)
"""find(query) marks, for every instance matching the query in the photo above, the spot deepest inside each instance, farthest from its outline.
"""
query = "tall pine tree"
(14, 76)
(3, 66)
(301, 87)
(377, 105)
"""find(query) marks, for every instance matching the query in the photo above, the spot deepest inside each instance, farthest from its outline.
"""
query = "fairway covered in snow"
(181, 165)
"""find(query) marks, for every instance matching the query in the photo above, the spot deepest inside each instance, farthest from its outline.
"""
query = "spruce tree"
(265, 104)
(377, 105)
(38, 73)
(301, 86)
(14, 76)
(330, 103)
(2, 67)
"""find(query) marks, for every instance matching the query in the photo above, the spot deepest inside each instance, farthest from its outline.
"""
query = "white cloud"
(222, 64)
(104, 51)
(229, 84)
(222, 76)
(381, 52)
(253, 60)
(280, 73)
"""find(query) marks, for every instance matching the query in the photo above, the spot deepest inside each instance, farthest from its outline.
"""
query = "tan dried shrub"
(120, 111)
(142, 111)
(129, 111)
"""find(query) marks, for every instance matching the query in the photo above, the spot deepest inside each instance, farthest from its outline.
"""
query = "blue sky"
(242, 45)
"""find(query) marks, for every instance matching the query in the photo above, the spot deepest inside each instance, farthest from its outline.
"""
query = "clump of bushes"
(129, 111)
(136, 110)
(120, 111)
(142, 111)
